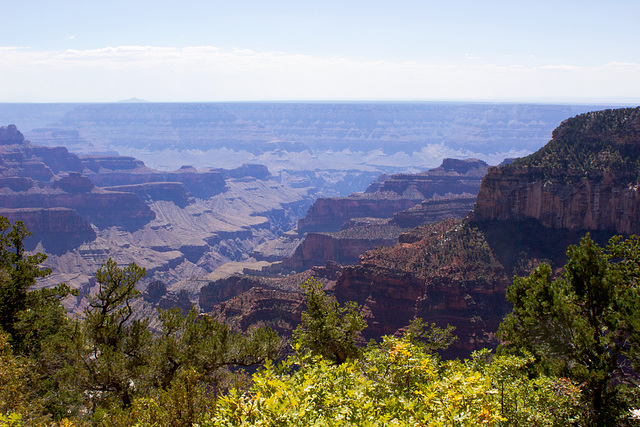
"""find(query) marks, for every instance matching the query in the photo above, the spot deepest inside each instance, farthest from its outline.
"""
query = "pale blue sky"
(549, 51)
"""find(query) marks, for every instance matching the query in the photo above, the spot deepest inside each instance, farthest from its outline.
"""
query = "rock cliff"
(444, 273)
(343, 247)
(585, 178)
(384, 198)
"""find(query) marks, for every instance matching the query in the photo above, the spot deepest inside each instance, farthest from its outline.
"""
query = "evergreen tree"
(583, 324)
(327, 328)
(18, 272)
(112, 351)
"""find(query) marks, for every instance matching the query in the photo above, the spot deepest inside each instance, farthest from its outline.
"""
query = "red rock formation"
(200, 183)
(585, 178)
(452, 177)
(102, 208)
(434, 210)
(448, 276)
(329, 214)
(262, 307)
(396, 193)
(10, 135)
(74, 183)
(318, 248)
(222, 290)
(175, 192)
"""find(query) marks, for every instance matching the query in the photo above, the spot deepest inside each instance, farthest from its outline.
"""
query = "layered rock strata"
(585, 178)
(384, 198)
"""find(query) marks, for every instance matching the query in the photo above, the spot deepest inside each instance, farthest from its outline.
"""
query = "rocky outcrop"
(434, 210)
(222, 290)
(384, 198)
(329, 214)
(102, 208)
(116, 172)
(446, 273)
(258, 306)
(454, 176)
(249, 171)
(10, 135)
(343, 247)
(74, 184)
(585, 178)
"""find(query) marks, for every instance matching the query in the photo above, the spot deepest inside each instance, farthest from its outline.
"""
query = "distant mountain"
(133, 101)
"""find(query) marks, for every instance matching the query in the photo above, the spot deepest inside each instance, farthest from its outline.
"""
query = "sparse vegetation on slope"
(589, 146)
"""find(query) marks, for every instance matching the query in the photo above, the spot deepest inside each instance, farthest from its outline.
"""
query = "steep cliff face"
(109, 171)
(454, 176)
(585, 178)
(102, 208)
(262, 307)
(434, 210)
(175, 192)
(329, 214)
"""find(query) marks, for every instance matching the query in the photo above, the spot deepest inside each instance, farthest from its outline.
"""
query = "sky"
(363, 50)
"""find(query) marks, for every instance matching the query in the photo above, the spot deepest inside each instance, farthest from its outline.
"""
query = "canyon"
(455, 272)
(179, 224)
(237, 241)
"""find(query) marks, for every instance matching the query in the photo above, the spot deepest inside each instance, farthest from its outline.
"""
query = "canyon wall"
(395, 193)
(585, 178)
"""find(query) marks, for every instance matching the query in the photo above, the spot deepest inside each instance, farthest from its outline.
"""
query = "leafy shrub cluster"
(399, 383)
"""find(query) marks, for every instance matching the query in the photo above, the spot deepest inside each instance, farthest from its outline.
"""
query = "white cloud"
(207, 73)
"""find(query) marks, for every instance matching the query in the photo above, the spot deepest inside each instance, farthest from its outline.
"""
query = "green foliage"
(205, 346)
(398, 383)
(19, 401)
(432, 337)
(18, 272)
(44, 322)
(11, 420)
(327, 328)
(583, 324)
(36, 321)
(112, 352)
(184, 403)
